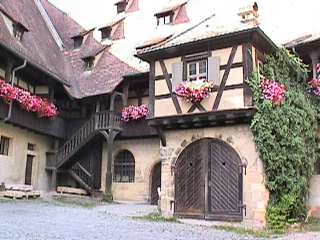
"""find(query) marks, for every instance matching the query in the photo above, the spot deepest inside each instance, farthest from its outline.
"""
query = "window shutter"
(214, 70)
(177, 73)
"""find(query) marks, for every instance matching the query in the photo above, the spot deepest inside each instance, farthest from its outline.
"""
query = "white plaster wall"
(314, 195)
(12, 167)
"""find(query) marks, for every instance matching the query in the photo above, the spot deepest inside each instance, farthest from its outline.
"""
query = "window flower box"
(132, 113)
(28, 102)
(195, 91)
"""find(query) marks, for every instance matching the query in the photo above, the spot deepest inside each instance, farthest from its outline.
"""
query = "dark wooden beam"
(169, 84)
(152, 88)
(224, 78)
(247, 57)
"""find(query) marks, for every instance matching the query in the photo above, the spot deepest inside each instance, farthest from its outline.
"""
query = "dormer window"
(106, 33)
(17, 31)
(77, 41)
(89, 63)
(121, 6)
(165, 19)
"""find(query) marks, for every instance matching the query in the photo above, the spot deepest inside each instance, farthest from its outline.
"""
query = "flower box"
(195, 91)
(132, 113)
(273, 91)
(28, 102)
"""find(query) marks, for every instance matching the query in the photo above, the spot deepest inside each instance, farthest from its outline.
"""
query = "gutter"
(13, 76)
(37, 66)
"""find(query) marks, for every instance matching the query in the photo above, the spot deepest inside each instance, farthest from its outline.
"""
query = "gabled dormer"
(121, 6)
(113, 30)
(91, 58)
(16, 28)
(175, 13)
(80, 38)
(127, 6)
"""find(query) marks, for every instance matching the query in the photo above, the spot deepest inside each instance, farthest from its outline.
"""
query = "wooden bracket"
(162, 136)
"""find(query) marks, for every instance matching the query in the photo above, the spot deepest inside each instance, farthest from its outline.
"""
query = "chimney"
(250, 14)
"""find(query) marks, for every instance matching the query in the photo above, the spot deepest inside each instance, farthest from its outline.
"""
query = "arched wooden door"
(155, 183)
(190, 181)
(208, 181)
(224, 182)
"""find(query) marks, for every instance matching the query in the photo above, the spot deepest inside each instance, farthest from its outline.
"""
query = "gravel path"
(48, 221)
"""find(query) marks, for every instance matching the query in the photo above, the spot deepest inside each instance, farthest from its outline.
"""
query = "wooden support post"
(110, 140)
(53, 186)
(152, 88)
(9, 68)
(125, 90)
(315, 59)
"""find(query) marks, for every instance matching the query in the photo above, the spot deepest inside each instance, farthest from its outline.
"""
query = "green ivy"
(286, 138)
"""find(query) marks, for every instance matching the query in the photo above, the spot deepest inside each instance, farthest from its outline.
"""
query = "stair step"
(70, 190)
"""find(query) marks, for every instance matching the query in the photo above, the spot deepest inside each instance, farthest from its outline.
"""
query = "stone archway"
(155, 183)
(208, 181)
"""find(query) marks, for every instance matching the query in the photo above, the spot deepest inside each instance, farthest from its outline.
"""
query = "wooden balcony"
(52, 127)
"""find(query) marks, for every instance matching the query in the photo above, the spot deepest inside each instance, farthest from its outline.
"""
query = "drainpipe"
(13, 76)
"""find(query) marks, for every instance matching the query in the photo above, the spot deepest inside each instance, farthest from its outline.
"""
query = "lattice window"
(165, 19)
(197, 70)
(4, 145)
(124, 167)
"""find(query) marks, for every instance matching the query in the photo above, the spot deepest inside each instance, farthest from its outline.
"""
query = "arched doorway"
(155, 183)
(208, 181)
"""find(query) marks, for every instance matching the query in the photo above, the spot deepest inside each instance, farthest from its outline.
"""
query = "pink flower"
(195, 91)
(135, 113)
(273, 91)
(30, 103)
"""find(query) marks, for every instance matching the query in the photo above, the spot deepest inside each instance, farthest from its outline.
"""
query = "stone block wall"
(240, 137)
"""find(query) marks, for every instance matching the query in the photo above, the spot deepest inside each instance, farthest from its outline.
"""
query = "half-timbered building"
(198, 158)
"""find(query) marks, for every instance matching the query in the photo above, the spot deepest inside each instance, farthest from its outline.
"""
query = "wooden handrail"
(99, 121)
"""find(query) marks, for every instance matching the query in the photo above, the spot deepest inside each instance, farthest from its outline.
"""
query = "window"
(121, 6)
(4, 145)
(31, 147)
(17, 32)
(77, 42)
(124, 167)
(89, 63)
(197, 70)
(165, 19)
(105, 33)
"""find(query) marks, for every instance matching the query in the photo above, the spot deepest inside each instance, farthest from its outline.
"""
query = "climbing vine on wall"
(286, 136)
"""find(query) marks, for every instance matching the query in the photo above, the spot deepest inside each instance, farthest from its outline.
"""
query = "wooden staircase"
(62, 159)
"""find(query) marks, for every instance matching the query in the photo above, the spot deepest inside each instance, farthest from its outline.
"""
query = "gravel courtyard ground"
(38, 220)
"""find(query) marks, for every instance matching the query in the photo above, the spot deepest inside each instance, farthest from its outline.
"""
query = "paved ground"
(50, 221)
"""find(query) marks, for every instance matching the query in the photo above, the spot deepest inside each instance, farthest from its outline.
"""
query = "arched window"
(124, 167)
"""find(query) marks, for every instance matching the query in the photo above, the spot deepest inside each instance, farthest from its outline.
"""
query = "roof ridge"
(188, 29)
(49, 24)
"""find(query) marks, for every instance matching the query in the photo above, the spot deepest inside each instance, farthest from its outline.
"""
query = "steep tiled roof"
(40, 47)
(41, 52)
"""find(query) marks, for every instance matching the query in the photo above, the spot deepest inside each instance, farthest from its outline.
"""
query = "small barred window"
(124, 167)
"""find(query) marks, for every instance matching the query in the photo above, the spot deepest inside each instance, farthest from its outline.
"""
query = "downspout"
(13, 76)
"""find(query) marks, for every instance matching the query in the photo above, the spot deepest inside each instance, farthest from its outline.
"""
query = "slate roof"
(39, 47)
(305, 39)
(41, 52)
(172, 6)
(205, 29)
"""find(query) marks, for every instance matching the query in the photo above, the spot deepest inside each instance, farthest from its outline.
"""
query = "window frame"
(161, 19)
(5, 143)
(192, 58)
(89, 63)
(198, 75)
(124, 167)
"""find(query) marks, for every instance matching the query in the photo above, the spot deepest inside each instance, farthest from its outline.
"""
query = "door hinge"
(244, 165)
(244, 208)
